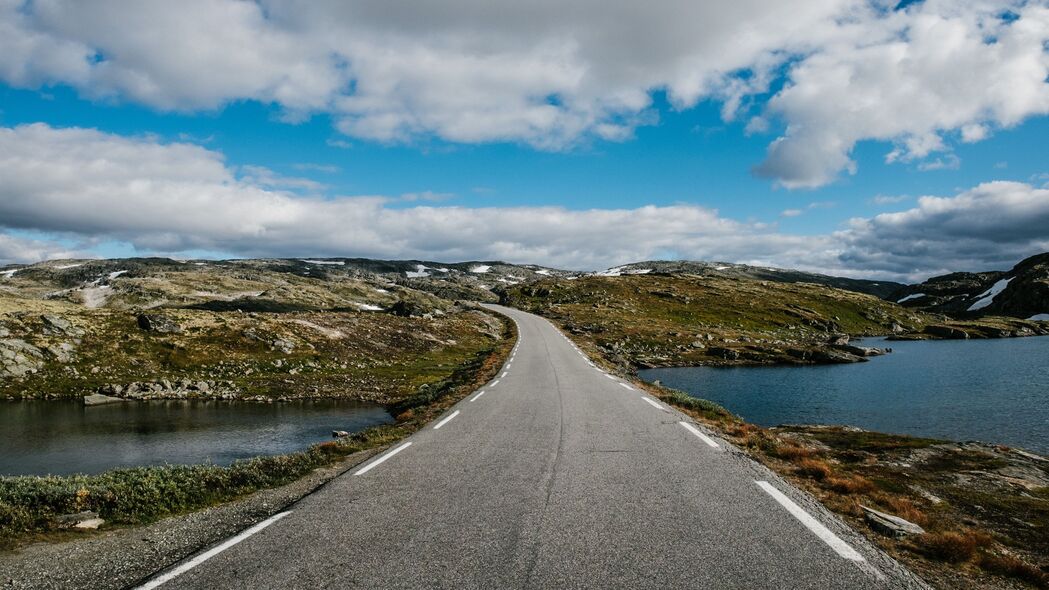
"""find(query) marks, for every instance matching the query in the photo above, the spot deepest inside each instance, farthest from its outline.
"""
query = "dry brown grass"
(902, 507)
(954, 546)
(814, 469)
(850, 484)
(1014, 567)
(794, 452)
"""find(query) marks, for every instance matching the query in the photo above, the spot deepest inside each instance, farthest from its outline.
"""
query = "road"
(554, 475)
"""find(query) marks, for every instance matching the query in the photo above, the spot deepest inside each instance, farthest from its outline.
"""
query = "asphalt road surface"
(553, 475)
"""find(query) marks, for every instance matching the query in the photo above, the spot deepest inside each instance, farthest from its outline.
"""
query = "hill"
(1021, 292)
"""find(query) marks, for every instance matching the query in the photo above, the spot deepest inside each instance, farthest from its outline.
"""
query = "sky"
(863, 138)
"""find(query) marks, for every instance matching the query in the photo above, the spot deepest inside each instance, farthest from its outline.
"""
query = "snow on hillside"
(909, 297)
(987, 297)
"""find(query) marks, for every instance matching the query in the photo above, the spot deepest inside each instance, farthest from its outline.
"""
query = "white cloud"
(554, 73)
(178, 197)
(908, 77)
(20, 250)
(791, 212)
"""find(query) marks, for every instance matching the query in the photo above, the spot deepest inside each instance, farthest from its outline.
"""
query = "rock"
(838, 340)
(339, 434)
(890, 525)
(83, 520)
(54, 324)
(698, 344)
(863, 350)
(946, 332)
(61, 352)
(406, 309)
(152, 322)
(19, 358)
(97, 399)
(285, 346)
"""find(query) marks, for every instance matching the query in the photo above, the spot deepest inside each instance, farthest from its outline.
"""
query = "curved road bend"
(553, 475)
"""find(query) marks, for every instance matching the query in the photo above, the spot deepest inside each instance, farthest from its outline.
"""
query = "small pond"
(64, 437)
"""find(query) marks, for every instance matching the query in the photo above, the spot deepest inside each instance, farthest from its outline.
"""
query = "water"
(995, 391)
(64, 437)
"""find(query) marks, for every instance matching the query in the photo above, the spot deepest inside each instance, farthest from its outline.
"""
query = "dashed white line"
(609, 376)
(185, 567)
(699, 434)
(479, 394)
(504, 374)
(382, 459)
(446, 420)
(627, 386)
(840, 547)
(494, 383)
(652, 403)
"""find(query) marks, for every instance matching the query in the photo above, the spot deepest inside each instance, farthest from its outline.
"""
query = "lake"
(995, 391)
(64, 437)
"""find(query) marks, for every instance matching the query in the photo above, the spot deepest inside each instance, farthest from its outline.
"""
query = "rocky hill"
(240, 329)
(1022, 292)
(728, 270)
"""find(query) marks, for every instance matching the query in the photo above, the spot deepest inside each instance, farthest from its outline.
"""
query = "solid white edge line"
(840, 547)
(474, 398)
(185, 567)
(701, 436)
(654, 404)
(610, 377)
(446, 420)
(627, 386)
(382, 459)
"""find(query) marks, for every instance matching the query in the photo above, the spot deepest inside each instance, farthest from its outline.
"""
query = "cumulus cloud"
(21, 250)
(177, 197)
(551, 74)
(991, 226)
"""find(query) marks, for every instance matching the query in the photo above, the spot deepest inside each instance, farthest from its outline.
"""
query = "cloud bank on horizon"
(177, 197)
(818, 76)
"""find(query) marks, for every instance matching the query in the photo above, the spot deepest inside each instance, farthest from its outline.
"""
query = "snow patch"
(418, 273)
(9, 273)
(480, 269)
(909, 297)
(543, 272)
(378, 290)
(1042, 317)
(368, 307)
(116, 274)
(722, 267)
(65, 266)
(330, 262)
(987, 297)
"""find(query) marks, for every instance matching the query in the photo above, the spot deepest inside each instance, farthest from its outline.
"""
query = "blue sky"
(451, 144)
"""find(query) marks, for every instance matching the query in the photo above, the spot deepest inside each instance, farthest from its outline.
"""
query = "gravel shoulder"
(123, 557)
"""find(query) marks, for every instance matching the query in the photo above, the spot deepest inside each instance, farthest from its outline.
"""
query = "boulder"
(58, 325)
(890, 525)
(80, 520)
(946, 332)
(339, 434)
(153, 322)
(19, 358)
(97, 399)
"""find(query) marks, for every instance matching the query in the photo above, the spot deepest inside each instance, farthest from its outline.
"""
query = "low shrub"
(1014, 567)
(813, 469)
(953, 546)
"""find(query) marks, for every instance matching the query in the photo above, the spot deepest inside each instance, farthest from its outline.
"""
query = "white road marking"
(474, 398)
(503, 375)
(494, 383)
(701, 436)
(382, 459)
(185, 567)
(627, 386)
(840, 547)
(446, 420)
(652, 403)
(610, 377)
